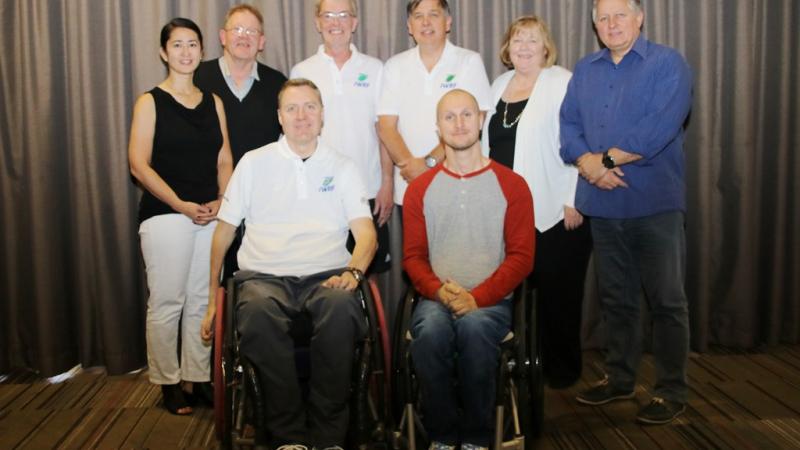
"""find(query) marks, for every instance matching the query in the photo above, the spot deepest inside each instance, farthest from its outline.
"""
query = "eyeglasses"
(331, 16)
(242, 31)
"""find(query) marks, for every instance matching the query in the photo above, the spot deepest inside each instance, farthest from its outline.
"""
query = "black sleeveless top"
(186, 145)
(501, 139)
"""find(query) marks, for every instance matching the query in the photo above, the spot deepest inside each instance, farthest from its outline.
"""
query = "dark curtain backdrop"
(71, 285)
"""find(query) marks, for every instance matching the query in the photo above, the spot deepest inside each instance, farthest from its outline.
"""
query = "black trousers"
(558, 276)
(267, 308)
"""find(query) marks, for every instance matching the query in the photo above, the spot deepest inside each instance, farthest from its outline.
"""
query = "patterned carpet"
(744, 400)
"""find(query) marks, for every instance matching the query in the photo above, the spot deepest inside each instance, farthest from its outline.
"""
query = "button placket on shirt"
(463, 198)
(301, 179)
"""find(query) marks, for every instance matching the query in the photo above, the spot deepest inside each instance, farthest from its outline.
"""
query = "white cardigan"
(536, 150)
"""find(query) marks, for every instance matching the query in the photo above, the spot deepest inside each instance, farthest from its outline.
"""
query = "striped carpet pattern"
(738, 400)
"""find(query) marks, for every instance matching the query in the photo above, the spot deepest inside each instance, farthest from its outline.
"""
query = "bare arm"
(410, 166)
(140, 151)
(366, 244)
(223, 237)
(384, 200)
(390, 137)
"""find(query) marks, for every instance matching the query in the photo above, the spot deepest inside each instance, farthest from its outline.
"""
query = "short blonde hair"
(353, 7)
(529, 22)
(244, 7)
(299, 82)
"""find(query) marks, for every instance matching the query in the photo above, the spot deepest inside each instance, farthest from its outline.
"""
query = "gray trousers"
(266, 309)
(650, 253)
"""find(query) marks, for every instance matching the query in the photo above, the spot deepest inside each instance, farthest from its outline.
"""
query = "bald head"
(459, 120)
(457, 96)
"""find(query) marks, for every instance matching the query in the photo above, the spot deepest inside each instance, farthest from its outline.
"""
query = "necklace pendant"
(505, 123)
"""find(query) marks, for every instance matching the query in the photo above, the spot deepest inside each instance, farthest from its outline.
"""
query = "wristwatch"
(608, 161)
(357, 274)
(430, 161)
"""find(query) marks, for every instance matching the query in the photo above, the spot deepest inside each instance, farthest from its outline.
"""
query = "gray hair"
(634, 5)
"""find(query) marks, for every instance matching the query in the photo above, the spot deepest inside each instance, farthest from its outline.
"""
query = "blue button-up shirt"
(639, 106)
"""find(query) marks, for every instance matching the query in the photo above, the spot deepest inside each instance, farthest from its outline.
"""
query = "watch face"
(430, 161)
(608, 162)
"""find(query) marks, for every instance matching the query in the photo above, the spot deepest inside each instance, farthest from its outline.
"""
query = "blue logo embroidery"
(327, 185)
(362, 81)
(448, 82)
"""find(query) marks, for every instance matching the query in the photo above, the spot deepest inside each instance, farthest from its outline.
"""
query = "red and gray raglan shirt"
(476, 229)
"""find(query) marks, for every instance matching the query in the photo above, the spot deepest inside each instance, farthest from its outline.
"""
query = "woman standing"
(179, 153)
(523, 134)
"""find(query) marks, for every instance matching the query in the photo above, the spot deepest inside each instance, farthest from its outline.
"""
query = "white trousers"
(177, 257)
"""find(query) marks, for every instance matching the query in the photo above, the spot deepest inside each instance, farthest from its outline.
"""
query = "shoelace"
(602, 382)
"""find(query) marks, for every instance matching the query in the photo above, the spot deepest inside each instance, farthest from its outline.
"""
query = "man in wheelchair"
(468, 242)
(298, 199)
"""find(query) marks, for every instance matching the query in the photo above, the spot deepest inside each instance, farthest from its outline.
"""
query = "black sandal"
(174, 400)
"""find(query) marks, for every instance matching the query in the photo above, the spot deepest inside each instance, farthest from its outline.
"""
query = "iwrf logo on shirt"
(327, 185)
(362, 81)
(448, 82)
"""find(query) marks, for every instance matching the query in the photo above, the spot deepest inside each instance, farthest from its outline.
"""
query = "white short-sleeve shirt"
(411, 93)
(350, 100)
(296, 212)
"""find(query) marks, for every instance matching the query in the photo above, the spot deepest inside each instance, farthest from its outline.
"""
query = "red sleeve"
(416, 261)
(519, 237)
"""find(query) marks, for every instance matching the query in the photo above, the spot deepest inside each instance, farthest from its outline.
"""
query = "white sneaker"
(473, 447)
(439, 446)
(292, 447)
(335, 447)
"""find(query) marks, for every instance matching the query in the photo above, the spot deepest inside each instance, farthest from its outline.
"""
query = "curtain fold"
(72, 283)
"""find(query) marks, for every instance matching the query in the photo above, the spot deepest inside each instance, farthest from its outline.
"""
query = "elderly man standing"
(298, 198)
(350, 85)
(414, 81)
(469, 241)
(622, 125)
(248, 89)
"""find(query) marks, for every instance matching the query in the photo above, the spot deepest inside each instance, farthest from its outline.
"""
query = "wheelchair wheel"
(531, 377)
(227, 373)
(370, 398)
(218, 372)
(409, 432)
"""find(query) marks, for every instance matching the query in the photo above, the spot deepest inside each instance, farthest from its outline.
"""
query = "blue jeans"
(650, 253)
(475, 338)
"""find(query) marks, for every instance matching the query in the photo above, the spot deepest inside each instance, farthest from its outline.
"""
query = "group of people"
(289, 184)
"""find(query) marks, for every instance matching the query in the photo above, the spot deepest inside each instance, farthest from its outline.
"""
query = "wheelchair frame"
(520, 380)
(238, 400)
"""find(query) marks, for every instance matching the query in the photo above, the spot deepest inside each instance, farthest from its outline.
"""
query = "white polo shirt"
(296, 212)
(350, 97)
(411, 93)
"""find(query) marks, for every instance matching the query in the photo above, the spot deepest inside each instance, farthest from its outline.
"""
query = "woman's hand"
(213, 207)
(199, 214)
(207, 326)
(572, 218)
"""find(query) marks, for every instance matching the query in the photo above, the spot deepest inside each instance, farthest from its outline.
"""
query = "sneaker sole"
(647, 421)
(605, 400)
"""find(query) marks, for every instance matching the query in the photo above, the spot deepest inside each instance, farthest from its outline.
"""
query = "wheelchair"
(519, 400)
(238, 398)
